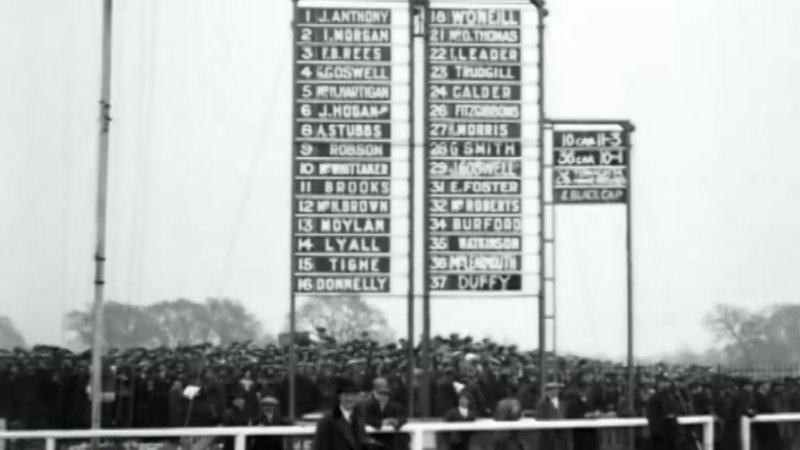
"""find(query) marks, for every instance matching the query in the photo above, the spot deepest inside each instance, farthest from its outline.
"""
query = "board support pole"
(413, 14)
(425, 388)
(292, 372)
(629, 271)
(542, 13)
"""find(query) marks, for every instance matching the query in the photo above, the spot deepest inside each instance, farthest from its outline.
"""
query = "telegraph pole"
(102, 201)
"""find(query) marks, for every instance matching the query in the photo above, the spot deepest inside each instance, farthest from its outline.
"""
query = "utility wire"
(257, 155)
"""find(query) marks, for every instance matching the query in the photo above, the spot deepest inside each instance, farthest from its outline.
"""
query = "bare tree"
(170, 323)
(345, 319)
(231, 322)
(10, 336)
(767, 337)
(782, 329)
(125, 326)
(738, 329)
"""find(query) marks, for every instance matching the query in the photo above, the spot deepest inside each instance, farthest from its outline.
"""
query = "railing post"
(238, 444)
(708, 434)
(50, 443)
(2, 428)
(745, 424)
(417, 440)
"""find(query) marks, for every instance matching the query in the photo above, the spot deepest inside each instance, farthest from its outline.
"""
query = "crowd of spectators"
(46, 387)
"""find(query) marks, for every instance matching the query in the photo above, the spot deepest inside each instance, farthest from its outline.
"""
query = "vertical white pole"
(708, 434)
(2, 428)
(745, 432)
(417, 440)
(239, 442)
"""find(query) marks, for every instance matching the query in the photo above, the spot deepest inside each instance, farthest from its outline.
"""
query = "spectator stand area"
(45, 388)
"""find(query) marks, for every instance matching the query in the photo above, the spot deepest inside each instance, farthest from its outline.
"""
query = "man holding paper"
(380, 412)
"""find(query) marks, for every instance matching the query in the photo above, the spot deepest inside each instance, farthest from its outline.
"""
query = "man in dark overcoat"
(766, 434)
(528, 390)
(342, 428)
(581, 406)
(662, 416)
(379, 410)
(445, 394)
(459, 440)
(235, 416)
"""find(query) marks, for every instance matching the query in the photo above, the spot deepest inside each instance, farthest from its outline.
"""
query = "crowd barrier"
(763, 418)
(416, 430)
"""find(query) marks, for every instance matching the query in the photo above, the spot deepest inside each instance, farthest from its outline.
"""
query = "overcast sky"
(200, 163)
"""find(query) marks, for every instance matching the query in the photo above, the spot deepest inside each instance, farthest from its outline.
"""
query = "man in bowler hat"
(342, 428)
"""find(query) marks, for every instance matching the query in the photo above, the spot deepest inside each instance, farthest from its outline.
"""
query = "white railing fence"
(747, 433)
(416, 430)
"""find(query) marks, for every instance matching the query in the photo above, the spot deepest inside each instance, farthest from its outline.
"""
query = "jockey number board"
(482, 147)
(350, 147)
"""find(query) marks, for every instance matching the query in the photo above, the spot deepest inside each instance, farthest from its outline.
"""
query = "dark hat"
(346, 386)
(237, 393)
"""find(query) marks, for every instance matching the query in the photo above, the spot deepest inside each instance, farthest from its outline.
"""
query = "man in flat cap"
(342, 428)
(269, 416)
(270, 413)
(552, 407)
